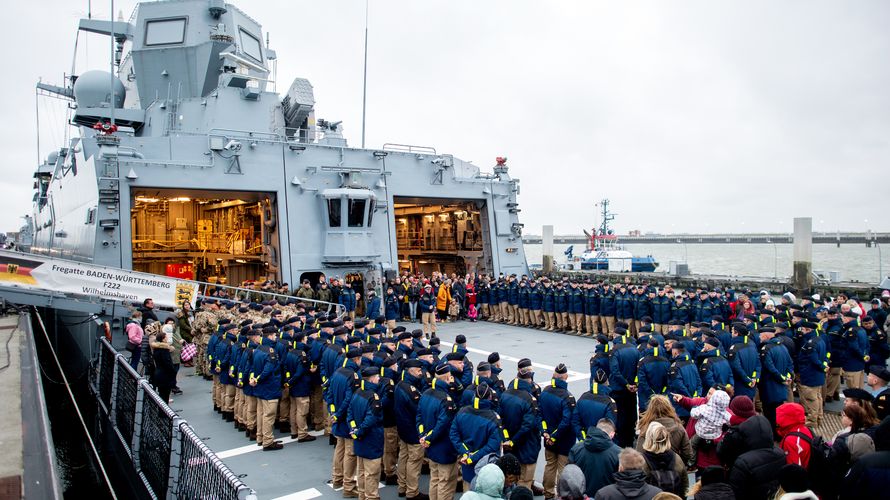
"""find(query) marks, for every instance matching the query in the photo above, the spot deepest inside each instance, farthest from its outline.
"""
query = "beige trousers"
(390, 450)
(344, 466)
(526, 475)
(429, 322)
(811, 400)
(250, 410)
(368, 470)
(299, 416)
(832, 382)
(554, 464)
(267, 410)
(443, 481)
(229, 398)
(853, 379)
(316, 406)
(410, 460)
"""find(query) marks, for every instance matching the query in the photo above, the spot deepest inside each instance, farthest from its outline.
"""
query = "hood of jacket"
(571, 482)
(160, 345)
(630, 483)
(661, 461)
(757, 432)
(789, 417)
(490, 481)
(597, 440)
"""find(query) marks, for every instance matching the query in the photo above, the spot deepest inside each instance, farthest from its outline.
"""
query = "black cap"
(881, 372)
(460, 339)
(483, 366)
(808, 324)
(400, 329)
(600, 376)
(494, 357)
(712, 341)
(380, 320)
(404, 336)
(340, 330)
(620, 330)
(454, 356)
(424, 352)
(717, 318)
(443, 369)
(524, 363)
(223, 321)
(361, 323)
(646, 329)
(370, 371)
(413, 363)
(832, 310)
(435, 341)
(389, 361)
(353, 353)
(851, 314)
(561, 369)
(483, 391)
(739, 329)
(352, 339)
(602, 339)
(860, 394)
(367, 348)
(766, 329)
(417, 334)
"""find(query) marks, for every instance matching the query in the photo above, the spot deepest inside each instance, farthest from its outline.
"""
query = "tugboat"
(605, 254)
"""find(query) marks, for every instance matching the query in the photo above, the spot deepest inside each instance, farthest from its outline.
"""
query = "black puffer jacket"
(755, 473)
(715, 491)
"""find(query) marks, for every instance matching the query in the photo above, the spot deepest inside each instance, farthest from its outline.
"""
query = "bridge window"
(356, 212)
(250, 45)
(165, 31)
(334, 212)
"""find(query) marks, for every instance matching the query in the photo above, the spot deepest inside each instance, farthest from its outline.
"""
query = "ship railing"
(220, 291)
(165, 452)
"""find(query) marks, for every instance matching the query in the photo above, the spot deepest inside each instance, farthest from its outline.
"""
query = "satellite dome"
(91, 90)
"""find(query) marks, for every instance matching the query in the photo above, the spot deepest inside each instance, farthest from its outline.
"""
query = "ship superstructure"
(187, 163)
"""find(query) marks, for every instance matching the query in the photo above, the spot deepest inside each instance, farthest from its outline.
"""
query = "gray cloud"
(688, 115)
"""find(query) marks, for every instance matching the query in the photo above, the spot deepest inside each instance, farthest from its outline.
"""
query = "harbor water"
(853, 262)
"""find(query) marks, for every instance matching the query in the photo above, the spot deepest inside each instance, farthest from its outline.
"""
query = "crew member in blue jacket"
(592, 310)
(812, 364)
(600, 358)
(338, 394)
(435, 412)
(392, 309)
(623, 360)
(557, 405)
(593, 405)
(575, 298)
(778, 374)
(522, 421)
(513, 300)
(624, 310)
(483, 376)
(298, 380)
(878, 349)
(652, 373)
(536, 300)
(407, 395)
(683, 377)
(662, 306)
(548, 305)
(561, 305)
(265, 378)
(347, 299)
(608, 309)
(837, 346)
(476, 431)
(524, 303)
(365, 415)
(713, 368)
(856, 343)
(744, 361)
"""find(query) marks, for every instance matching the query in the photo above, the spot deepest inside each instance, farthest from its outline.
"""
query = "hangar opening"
(449, 236)
(225, 237)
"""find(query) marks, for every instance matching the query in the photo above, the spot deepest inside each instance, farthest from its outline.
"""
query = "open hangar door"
(225, 237)
(445, 235)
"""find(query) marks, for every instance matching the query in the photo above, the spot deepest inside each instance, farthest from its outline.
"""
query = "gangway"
(69, 285)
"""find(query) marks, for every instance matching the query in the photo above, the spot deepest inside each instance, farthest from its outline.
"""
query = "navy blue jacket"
(576, 300)
(407, 395)
(623, 360)
(714, 370)
(557, 405)
(661, 309)
(745, 365)
(338, 395)
(777, 369)
(347, 298)
(624, 308)
(591, 303)
(680, 312)
(427, 302)
(838, 345)
(684, 380)
(878, 349)
(599, 360)
(435, 411)
(521, 420)
(267, 371)
(560, 300)
(642, 306)
(536, 298)
(296, 372)
(812, 360)
(392, 307)
(548, 303)
(524, 297)
(856, 344)
(607, 304)
(365, 415)
(475, 432)
(591, 407)
(652, 376)
(513, 293)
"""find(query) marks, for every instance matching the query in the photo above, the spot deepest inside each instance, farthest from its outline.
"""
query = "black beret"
(269, 329)
(245, 323)
(327, 324)
(707, 332)
(832, 310)
(460, 339)
(310, 331)
(780, 324)
(880, 372)
(276, 312)
(647, 319)
(602, 339)
(646, 329)
(484, 366)
(561, 368)
(483, 391)
(435, 341)
(808, 324)
(224, 321)
(352, 339)
(368, 348)
(620, 330)
(858, 394)
(340, 330)
(361, 323)
(652, 342)
(717, 318)
(403, 335)
(712, 341)
(454, 356)
(400, 329)
(389, 361)
(413, 363)
(739, 329)
(443, 369)
(353, 353)
(600, 377)
(370, 371)
(850, 314)
(620, 324)
(675, 322)
(380, 320)
(417, 334)
(494, 357)
(766, 329)
(672, 337)
(243, 309)
(424, 352)
(524, 363)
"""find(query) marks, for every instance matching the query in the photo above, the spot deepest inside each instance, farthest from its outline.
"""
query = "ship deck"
(300, 470)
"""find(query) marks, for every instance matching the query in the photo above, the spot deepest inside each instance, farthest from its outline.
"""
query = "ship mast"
(607, 216)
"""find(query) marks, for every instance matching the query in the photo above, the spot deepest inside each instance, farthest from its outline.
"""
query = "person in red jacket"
(796, 437)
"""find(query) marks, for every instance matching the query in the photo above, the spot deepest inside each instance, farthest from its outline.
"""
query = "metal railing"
(169, 458)
(209, 290)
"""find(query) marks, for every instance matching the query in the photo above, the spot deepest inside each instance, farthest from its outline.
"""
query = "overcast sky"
(691, 116)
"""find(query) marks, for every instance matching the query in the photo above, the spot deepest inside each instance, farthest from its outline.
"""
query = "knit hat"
(859, 444)
(571, 484)
(712, 415)
(742, 407)
(713, 474)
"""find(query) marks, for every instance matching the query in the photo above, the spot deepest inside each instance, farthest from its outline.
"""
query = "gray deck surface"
(296, 470)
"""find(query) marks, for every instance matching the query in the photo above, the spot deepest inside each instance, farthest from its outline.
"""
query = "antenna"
(111, 63)
(365, 77)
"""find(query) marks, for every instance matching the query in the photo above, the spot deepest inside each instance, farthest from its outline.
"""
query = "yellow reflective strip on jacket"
(544, 425)
(595, 387)
(420, 428)
(636, 379)
(655, 351)
(583, 434)
(465, 446)
(352, 423)
(344, 362)
(381, 371)
(476, 403)
(506, 434)
(718, 353)
(333, 408)
(552, 382)
(362, 385)
(828, 355)
(516, 384)
(286, 374)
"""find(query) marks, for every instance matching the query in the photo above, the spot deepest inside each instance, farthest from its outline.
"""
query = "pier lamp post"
(775, 259)
(685, 251)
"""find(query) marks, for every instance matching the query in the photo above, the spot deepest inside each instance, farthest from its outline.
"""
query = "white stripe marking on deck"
(307, 494)
(234, 452)
(573, 375)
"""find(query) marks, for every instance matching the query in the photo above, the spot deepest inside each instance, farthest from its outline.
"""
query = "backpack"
(820, 453)
(666, 479)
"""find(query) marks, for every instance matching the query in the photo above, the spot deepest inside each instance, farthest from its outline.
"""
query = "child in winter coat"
(710, 419)
(472, 313)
